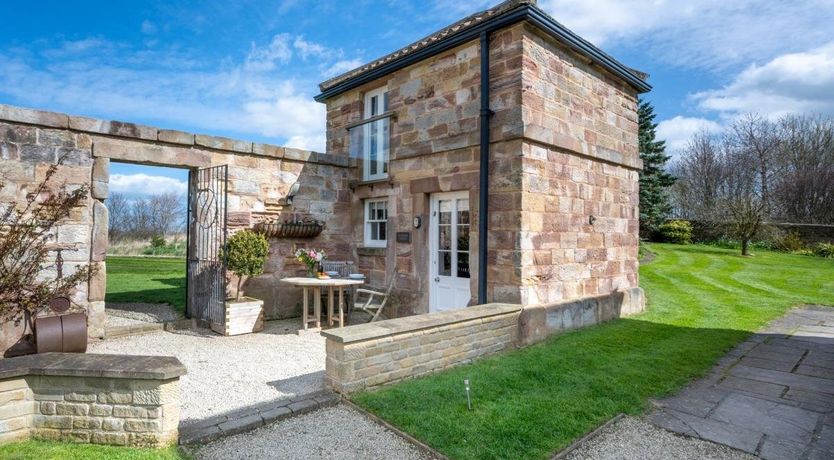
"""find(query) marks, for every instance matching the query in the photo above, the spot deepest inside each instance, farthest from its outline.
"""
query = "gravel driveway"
(227, 373)
(632, 438)
(333, 433)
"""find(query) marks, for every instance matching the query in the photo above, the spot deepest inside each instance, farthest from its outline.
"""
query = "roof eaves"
(448, 38)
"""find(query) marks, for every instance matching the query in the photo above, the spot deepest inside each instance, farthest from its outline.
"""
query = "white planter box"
(242, 317)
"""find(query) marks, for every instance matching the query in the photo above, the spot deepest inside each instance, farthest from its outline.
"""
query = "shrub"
(824, 250)
(246, 253)
(791, 242)
(157, 241)
(676, 231)
(27, 237)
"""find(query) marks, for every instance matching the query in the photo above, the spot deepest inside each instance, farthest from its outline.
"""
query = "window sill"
(371, 251)
(370, 183)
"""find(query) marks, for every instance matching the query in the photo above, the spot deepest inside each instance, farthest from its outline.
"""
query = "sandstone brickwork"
(375, 354)
(259, 177)
(563, 170)
(136, 402)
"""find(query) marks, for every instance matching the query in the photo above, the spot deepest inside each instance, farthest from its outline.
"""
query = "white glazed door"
(449, 251)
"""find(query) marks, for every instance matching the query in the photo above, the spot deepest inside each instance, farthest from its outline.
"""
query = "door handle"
(436, 279)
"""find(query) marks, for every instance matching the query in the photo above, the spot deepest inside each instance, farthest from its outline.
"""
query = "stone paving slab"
(252, 417)
(772, 396)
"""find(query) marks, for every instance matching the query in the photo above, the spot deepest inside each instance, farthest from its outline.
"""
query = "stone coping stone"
(380, 329)
(132, 131)
(93, 365)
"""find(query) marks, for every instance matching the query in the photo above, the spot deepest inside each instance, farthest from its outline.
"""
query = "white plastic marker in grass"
(468, 400)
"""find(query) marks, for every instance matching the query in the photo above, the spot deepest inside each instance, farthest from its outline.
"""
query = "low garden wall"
(538, 322)
(383, 352)
(100, 399)
(375, 354)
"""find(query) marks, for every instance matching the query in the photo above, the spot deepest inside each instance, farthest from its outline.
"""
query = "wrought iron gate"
(206, 280)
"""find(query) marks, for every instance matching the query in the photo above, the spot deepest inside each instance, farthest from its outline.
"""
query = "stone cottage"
(506, 101)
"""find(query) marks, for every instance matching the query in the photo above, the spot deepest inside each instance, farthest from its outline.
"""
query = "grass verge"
(49, 450)
(532, 402)
(146, 279)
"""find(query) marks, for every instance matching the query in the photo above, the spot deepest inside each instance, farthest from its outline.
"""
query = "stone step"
(249, 418)
(134, 329)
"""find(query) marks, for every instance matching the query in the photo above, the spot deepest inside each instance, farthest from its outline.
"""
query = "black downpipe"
(483, 193)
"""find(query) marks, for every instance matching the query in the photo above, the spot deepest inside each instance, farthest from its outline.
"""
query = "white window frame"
(369, 242)
(381, 136)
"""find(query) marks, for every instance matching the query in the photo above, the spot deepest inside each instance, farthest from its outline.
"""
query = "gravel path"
(333, 433)
(227, 373)
(147, 312)
(632, 438)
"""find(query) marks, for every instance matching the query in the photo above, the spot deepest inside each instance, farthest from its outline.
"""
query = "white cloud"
(679, 130)
(137, 185)
(263, 58)
(708, 34)
(793, 82)
(341, 67)
(263, 94)
(307, 49)
(148, 28)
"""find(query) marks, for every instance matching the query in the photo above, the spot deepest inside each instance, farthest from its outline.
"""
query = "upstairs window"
(376, 223)
(369, 140)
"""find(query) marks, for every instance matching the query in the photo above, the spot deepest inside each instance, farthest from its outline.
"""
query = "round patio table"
(316, 285)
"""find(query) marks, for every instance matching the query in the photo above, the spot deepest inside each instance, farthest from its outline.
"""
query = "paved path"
(772, 396)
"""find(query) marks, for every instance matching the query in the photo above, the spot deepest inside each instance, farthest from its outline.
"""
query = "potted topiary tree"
(246, 253)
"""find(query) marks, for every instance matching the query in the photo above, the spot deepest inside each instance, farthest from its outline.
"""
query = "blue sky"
(249, 69)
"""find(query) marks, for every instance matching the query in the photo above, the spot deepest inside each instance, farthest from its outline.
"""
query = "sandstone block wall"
(434, 148)
(385, 352)
(122, 408)
(563, 220)
(259, 177)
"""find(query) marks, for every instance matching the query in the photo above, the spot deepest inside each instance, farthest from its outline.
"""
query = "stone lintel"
(380, 329)
(113, 128)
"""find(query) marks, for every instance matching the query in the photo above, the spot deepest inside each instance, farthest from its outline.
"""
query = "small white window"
(376, 222)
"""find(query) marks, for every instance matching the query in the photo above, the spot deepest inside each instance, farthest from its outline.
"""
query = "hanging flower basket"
(290, 229)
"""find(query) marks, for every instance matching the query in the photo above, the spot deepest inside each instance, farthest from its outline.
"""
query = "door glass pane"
(445, 268)
(445, 237)
(463, 238)
(445, 216)
(463, 265)
(463, 212)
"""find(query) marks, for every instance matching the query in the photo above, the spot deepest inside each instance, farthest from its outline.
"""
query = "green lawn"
(530, 403)
(43, 450)
(146, 279)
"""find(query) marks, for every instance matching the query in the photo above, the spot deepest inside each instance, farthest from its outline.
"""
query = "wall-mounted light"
(418, 221)
(591, 220)
(293, 191)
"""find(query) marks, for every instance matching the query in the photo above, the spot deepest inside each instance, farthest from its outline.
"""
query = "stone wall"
(434, 148)
(563, 153)
(538, 322)
(259, 177)
(99, 399)
(380, 353)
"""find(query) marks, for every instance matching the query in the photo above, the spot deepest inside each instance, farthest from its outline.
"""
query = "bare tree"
(700, 171)
(119, 208)
(803, 188)
(167, 213)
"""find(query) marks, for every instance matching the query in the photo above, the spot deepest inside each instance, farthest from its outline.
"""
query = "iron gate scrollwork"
(206, 280)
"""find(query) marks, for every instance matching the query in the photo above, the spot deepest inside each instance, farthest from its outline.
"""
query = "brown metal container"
(64, 333)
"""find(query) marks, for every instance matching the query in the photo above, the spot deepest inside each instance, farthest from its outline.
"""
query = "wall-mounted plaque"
(403, 237)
